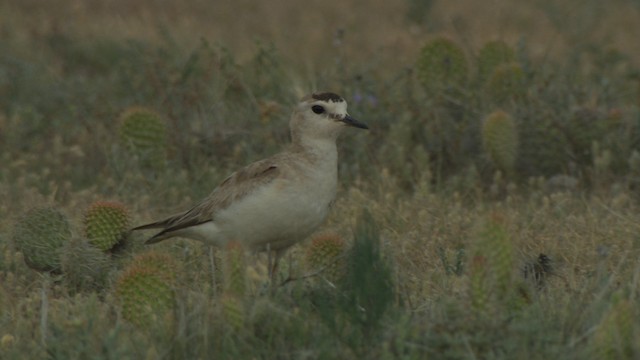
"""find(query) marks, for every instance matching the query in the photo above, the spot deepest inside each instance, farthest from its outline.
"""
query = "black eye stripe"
(317, 109)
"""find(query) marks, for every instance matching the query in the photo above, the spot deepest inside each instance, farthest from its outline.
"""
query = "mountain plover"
(276, 202)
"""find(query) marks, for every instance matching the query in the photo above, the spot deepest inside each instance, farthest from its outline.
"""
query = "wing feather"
(232, 189)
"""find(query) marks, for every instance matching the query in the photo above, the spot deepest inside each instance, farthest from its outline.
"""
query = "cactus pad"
(500, 140)
(84, 266)
(491, 264)
(478, 283)
(146, 298)
(442, 64)
(497, 246)
(614, 338)
(233, 311)
(40, 235)
(143, 132)
(507, 83)
(492, 55)
(162, 263)
(105, 224)
(323, 252)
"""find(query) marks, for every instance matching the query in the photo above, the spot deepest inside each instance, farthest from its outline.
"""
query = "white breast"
(281, 213)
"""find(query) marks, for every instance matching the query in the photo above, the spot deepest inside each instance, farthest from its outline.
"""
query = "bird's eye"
(317, 109)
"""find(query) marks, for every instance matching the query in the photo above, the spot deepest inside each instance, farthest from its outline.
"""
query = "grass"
(443, 242)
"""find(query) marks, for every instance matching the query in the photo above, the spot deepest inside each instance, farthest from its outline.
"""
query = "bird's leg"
(269, 259)
(213, 264)
(273, 270)
(272, 263)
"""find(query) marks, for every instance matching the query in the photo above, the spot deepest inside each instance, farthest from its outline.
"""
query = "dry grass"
(449, 226)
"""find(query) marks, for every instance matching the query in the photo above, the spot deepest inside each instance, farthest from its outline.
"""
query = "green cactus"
(106, 223)
(583, 128)
(234, 270)
(442, 64)
(161, 263)
(506, 83)
(491, 269)
(542, 145)
(500, 140)
(84, 266)
(40, 235)
(496, 244)
(323, 252)
(233, 310)
(144, 134)
(614, 338)
(492, 55)
(478, 283)
(146, 290)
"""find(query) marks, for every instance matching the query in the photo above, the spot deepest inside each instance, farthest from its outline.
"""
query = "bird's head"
(322, 116)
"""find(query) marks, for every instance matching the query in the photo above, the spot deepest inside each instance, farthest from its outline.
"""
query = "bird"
(273, 203)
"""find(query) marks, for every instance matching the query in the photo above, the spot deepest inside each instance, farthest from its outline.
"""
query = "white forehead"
(337, 107)
(333, 103)
(332, 107)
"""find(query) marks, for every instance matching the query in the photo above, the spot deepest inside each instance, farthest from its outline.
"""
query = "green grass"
(443, 245)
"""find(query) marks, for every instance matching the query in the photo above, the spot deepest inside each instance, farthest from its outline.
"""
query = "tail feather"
(162, 235)
(169, 229)
(155, 225)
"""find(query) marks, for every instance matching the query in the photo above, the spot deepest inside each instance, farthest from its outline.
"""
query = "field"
(490, 212)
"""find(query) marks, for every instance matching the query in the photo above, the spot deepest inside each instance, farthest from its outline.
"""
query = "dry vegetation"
(463, 237)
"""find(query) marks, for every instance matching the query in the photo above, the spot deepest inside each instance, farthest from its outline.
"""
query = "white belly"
(278, 216)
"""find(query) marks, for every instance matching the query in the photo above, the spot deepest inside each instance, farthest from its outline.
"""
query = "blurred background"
(501, 176)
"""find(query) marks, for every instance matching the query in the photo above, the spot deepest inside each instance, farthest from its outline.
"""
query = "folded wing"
(232, 189)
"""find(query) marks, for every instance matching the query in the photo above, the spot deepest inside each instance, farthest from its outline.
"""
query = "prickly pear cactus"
(40, 235)
(143, 132)
(84, 266)
(614, 338)
(146, 298)
(323, 252)
(233, 310)
(479, 293)
(500, 140)
(146, 290)
(442, 64)
(491, 265)
(162, 263)
(498, 249)
(507, 83)
(542, 148)
(106, 223)
(492, 55)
